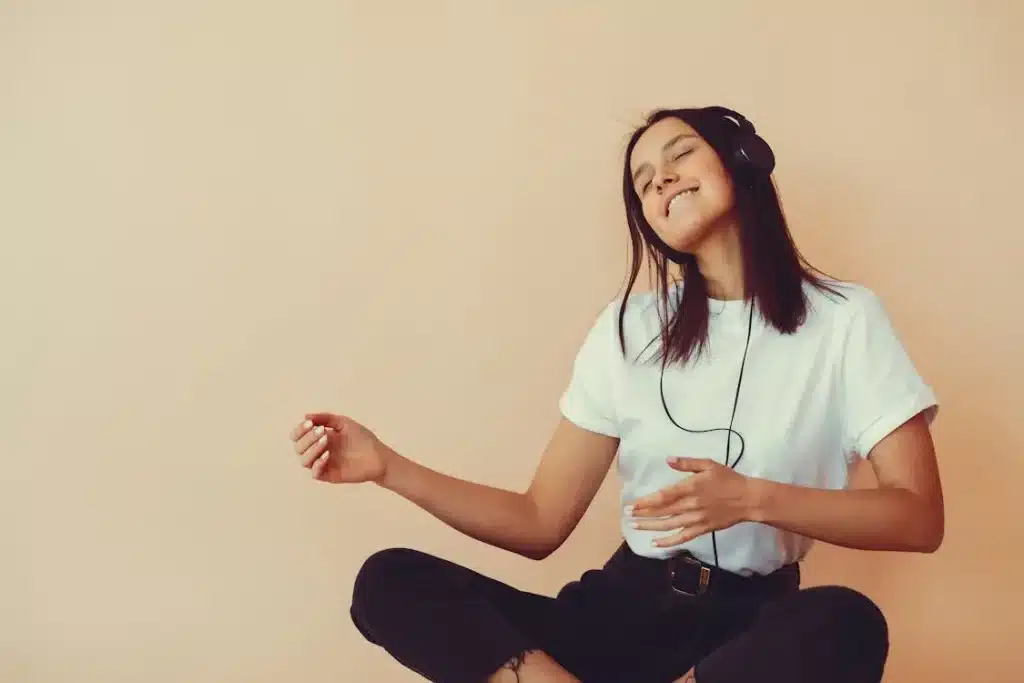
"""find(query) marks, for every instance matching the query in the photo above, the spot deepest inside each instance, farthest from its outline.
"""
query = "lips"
(679, 196)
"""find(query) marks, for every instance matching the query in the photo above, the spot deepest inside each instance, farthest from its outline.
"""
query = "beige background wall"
(218, 215)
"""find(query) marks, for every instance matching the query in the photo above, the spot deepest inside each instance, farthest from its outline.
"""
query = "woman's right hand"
(339, 450)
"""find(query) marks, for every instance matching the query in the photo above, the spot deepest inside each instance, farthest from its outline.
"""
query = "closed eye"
(647, 185)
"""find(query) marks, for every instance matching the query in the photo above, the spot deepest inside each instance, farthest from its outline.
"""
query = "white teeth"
(681, 194)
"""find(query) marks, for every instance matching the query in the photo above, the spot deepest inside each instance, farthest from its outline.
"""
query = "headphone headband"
(733, 117)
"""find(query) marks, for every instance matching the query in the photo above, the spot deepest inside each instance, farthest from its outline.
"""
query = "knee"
(382, 570)
(854, 621)
(379, 585)
(856, 613)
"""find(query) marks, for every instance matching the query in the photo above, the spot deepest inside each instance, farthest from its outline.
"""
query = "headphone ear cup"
(752, 151)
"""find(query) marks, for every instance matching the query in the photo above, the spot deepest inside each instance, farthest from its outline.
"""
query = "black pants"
(617, 624)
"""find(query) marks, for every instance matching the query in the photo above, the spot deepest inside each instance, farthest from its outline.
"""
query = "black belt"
(686, 575)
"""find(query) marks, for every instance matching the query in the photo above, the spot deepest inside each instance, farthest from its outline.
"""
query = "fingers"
(300, 429)
(685, 516)
(318, 447)
(658, 504)
(684, 535)
(691, 464)
(653, 501)
(313, 453)
(320, 464)
(308, 426)
(670, 500)
(669, 523)
(307, 438)
(312, 440)
(687, 526)
(329, 420)
(312, 445)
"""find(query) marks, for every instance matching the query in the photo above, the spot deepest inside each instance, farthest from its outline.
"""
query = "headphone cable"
(729, 430)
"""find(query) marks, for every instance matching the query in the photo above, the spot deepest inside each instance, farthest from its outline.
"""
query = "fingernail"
(628, 509)
(634, 525)
(307, 424)
(319, 429)
(323, 439)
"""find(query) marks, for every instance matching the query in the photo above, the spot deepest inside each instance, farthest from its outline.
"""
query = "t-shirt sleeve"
(589, 399)
(882, 388)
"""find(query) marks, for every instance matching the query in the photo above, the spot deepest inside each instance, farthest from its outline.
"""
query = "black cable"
(729, 430)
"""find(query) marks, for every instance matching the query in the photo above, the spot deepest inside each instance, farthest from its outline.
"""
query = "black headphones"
(749, 150)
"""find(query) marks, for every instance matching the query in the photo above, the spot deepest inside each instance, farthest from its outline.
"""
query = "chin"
(684, 238)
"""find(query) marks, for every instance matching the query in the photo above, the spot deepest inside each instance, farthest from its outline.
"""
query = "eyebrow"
(644, 166)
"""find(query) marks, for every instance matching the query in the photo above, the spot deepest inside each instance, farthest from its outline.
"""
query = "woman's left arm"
(904, 513)
(878, 391)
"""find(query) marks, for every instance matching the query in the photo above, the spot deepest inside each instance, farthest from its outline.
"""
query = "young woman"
(735, 397)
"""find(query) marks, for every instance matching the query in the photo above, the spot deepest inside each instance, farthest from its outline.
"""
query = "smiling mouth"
(688, 192)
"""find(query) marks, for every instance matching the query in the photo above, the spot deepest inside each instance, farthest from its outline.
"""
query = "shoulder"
(879, 385)
(641, 316)
(861, 331)
(635, 311)
(843, 304)
(638, 317)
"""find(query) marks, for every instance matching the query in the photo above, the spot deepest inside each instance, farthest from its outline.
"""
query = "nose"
(665, 179)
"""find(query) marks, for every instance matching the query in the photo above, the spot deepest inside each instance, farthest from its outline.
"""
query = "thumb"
(690, 464)
(329, 420)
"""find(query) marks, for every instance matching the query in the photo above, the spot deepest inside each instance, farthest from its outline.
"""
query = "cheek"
(656, 218)
(653, 215)
(719, 193)
(725, 194)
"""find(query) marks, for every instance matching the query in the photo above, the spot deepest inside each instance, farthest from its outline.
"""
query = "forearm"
(869, 519)
(499, 517)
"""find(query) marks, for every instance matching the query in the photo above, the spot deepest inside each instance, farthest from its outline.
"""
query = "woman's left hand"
(713, 498)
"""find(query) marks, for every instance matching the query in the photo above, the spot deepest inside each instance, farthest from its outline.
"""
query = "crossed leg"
(452, 625)
(825, 633)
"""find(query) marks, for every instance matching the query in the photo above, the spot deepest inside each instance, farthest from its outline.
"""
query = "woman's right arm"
(533, 523)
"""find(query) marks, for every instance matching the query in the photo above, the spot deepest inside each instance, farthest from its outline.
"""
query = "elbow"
(542, 544)
(931, 540)
(540, 551)
(540, 537)
(920, 524)
(927, 545)
(536, 554)
(929, 536)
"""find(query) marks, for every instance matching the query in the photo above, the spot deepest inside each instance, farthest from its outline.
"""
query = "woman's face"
(684, 189)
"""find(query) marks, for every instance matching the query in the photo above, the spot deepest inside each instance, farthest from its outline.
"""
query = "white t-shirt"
(810, 403)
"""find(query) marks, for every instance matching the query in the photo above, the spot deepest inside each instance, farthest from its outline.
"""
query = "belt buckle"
(704, 576)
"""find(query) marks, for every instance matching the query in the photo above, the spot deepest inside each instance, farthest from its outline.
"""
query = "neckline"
(726, 304)
(728, 311)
